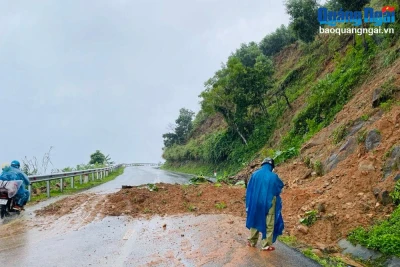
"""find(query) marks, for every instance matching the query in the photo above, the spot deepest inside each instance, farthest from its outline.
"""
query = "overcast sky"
(82, 75)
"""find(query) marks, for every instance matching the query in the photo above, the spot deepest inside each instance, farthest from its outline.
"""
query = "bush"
(310, 218)
(396, 193)
(383, 236)
(339, 134)
(318, 168)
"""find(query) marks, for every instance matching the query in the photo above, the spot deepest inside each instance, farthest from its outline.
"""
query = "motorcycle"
(8, 190)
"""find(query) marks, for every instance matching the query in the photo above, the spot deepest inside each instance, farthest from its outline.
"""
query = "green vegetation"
(99, 158)
(303, 19)
(361, 136)
(395, 194)
(339, 134)
(189, 207)
(289, 240)
(77, 186)
(255, 97)
(364, 117)
(310, 217)
(318, 168)
(220, 205)
(326, 262)
(383, 236)
(152, 187)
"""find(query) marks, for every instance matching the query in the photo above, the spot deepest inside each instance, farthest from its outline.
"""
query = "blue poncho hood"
(263, 186)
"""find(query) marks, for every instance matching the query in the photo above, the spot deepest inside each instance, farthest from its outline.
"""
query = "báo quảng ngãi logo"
(377, 17)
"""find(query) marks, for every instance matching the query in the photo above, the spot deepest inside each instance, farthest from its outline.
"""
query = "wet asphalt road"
(207, 240)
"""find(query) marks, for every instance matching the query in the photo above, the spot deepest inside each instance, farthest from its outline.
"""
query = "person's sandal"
(268, 248)
(250, 244)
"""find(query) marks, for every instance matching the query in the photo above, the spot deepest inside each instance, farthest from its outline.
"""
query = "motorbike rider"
(22, 195)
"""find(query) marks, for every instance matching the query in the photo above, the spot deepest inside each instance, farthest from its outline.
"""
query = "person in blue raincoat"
(264, 206)
(14, 173)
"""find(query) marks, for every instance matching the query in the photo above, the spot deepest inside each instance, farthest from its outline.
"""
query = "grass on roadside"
(77, 186)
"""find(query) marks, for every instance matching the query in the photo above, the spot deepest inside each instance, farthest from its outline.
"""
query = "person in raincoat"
(11, 173)
(264, 205)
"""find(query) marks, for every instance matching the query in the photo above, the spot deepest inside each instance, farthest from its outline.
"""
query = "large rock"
(385, 198)
(376, 97)
(373, 140)
(366, 166)
(344, 151)
(392, 163)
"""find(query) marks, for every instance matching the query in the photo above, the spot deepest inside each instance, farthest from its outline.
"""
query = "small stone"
(321, 207)
(302, 229)
(376, 192)
(397, 177)
(313, 174)
(366, 166)
(386, 199)
(377, 204)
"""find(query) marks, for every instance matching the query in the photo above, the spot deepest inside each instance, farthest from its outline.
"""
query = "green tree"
(273, 43)
(353, 5)
(182, 130)
(333, 5)
(304, 19)
(248, 53)
(184, 125)
(237, 91)
(97, 157)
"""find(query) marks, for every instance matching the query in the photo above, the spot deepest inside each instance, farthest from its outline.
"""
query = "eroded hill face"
(360, 166)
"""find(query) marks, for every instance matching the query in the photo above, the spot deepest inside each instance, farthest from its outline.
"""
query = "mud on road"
(169, 199)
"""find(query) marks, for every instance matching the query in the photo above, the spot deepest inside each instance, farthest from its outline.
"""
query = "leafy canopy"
(303, 16)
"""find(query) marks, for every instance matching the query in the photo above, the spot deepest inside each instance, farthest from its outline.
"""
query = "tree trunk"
(287, 100)
(240, 134)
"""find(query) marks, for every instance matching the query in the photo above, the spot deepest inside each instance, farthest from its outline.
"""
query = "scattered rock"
(308, 174)
(392, 163)
(366, 166)
(372, 140)
(302, 229)
(397, 177)
(376, 97)
(386, 199)
(376, 192)
(321, 207)
(313, 174)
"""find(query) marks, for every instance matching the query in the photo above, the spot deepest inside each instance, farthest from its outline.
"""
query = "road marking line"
(128, 234)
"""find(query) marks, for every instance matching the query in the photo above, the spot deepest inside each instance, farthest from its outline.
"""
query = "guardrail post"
(48, 188)
(61, 184)
(72, 181)
(30, 191)
(80, 179)
(93, 176)
(97, 175)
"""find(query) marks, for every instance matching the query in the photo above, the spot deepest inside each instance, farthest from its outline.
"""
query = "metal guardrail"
(100, 173)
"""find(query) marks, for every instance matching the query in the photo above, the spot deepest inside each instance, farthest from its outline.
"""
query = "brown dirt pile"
(177, 199)
(65, 206)
(349, 194)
